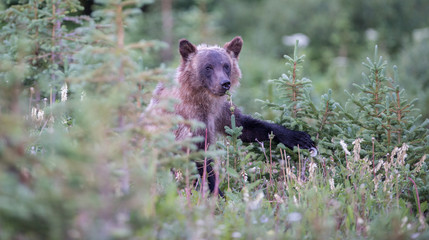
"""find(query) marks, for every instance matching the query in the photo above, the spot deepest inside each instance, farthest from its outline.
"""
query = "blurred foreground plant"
(86, 166)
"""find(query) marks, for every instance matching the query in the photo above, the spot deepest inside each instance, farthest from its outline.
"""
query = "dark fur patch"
(234, 46)
(186, 48)
(214, 69)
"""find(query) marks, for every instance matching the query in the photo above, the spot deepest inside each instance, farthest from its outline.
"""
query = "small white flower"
(311, 169)
(245, 195)
(244, 175)
(332, 183)
(40, 115)
(344, 146)
(33, 150)
(356, 148)
(236, 235)
(64, 90)
(33, 113)
(82, 95)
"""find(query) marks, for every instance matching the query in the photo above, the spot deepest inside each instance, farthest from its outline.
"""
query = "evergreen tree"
(384, 114)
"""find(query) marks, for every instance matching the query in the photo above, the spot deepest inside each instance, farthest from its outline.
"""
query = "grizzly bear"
(204, 76)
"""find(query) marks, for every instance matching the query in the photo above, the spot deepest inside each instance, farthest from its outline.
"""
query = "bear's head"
(210, 68)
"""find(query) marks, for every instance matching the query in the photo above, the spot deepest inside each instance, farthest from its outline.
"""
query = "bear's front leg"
(258, 130)
(254, 129)
(211, 176)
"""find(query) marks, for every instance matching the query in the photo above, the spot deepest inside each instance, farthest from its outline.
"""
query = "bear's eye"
(226, 68)
(209, 69)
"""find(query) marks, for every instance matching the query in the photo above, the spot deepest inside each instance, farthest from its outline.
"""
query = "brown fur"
(196, 102)
(203, 77)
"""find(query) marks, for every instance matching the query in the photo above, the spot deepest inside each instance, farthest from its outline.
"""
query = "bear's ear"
(186, 48)
(234, 46)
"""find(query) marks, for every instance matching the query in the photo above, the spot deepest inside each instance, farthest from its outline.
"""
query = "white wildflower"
(82, 95)
(376, 180)
(386, 167)
(33, 150)
(392, 156)
(245, 195)
(387, 181)
(356, 148)
(40, 115)
(344, 146)
(244, 175)
(332, 183)
(64, 90)
(420, 164)
(34, 113)
(402, 154)
(311, 169)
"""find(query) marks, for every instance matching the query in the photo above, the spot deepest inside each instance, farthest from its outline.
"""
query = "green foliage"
(84, 156)
(413, 62)
(385, 115)
(333, 52)
(379, 121)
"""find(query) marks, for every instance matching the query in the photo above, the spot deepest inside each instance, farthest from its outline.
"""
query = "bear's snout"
(226, 84)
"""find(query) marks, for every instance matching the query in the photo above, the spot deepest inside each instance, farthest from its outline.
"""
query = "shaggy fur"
(203, 77)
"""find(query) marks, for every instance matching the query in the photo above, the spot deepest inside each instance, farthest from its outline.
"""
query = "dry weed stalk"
(419, 164)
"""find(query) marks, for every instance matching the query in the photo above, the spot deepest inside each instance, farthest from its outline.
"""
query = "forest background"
(340, 34)
(77, 160)
(334, 46)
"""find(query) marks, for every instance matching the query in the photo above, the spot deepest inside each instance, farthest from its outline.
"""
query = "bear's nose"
(226, 84)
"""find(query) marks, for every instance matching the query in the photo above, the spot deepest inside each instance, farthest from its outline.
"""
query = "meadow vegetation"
(82, 157)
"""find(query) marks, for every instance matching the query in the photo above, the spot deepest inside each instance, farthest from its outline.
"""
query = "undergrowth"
(83, 157)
